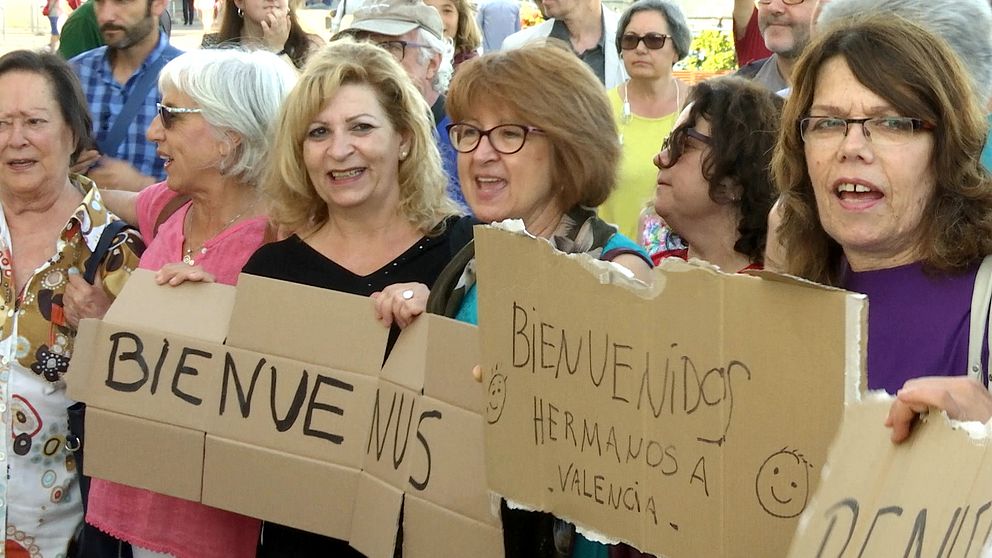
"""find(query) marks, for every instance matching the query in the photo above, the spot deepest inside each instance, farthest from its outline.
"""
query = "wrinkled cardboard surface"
(929, 496)
(288, 419)
(745, 390)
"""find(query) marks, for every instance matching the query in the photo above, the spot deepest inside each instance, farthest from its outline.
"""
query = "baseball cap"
(396, 17)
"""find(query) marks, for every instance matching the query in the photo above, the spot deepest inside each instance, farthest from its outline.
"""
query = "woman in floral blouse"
(50, 223)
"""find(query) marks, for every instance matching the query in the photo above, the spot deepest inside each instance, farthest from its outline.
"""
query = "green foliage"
(711, 50)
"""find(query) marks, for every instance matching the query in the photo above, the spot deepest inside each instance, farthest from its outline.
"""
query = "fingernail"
(73, 271)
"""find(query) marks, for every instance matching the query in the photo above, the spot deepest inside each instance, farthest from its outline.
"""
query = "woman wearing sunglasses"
(214, 129)
(651, 37)
(713, 185)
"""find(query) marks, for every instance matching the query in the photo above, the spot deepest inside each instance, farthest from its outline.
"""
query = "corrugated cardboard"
(688, 419)
(929, 496)
(270, 404)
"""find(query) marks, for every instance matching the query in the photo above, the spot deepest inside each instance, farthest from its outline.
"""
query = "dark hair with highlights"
(918, 74)
(744, 119)
(66, 91)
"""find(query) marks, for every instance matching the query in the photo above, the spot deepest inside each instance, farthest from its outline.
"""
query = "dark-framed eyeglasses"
(398, 48)
(653, 41)
(505, 138)
(676, 141)
(879, 130)
(786, 2)
(168, 114)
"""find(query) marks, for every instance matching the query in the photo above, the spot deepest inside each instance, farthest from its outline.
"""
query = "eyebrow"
(831, 110)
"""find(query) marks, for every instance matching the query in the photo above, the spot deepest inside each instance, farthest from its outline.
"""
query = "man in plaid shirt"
(133, 44)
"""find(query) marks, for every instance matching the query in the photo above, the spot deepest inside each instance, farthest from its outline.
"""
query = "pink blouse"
(155, 521)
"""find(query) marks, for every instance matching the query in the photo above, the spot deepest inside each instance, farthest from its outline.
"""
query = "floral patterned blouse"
(39, 498)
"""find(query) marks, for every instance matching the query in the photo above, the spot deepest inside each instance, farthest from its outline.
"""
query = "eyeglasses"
(676, 141)
(168, 114)
(398, 48)
(653, 41)
(786, 2)
(505, 138)
(880, 130)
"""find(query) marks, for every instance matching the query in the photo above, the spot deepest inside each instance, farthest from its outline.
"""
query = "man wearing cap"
(589, 27)
(413, 33)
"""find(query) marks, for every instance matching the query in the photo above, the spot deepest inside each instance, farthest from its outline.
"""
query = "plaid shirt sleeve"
(106, 98)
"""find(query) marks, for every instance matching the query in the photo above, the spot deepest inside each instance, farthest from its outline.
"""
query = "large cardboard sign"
(271, 400)
(930, 496)
(691, 418)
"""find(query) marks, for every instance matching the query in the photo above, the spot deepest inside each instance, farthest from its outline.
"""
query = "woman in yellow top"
(651, 37)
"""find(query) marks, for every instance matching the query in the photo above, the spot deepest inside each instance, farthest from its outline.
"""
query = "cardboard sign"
(687, 419)
(268, 400)
(929, 496)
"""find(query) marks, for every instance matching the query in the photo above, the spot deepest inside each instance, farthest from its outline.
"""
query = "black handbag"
(77, 412)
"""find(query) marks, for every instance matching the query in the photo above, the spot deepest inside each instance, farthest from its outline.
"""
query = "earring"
(403, 155)
(241, 14)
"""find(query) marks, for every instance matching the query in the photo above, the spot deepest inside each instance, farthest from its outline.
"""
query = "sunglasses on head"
(169, 114)
(653, 41)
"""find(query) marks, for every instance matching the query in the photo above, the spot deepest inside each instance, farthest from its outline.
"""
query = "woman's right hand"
(400, 303)
(178, 273)
(275, 29)
(961, 397)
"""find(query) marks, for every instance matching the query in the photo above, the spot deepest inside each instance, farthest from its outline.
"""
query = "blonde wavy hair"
(295, 203)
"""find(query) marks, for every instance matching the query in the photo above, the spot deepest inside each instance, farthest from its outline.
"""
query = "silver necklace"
(188, 252)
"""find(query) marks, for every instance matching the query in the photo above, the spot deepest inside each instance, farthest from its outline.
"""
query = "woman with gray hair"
(214, 129)
(651, 37)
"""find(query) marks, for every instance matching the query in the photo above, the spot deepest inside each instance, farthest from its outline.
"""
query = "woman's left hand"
(82, 300)
(400, 303)
(275, 29)
(176, 274)
(961, 397)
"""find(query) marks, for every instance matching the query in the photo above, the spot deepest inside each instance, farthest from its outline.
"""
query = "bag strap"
(102, 247)
(171, 207)
(134, 101)
(981, 301)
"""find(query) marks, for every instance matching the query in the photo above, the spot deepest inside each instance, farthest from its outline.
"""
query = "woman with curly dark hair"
(714, 187)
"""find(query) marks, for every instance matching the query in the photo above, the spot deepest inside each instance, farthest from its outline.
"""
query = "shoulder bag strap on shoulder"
(134, 101)
(981, 299)
(102, 247)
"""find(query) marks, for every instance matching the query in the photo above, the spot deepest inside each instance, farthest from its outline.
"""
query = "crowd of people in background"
(850, 148)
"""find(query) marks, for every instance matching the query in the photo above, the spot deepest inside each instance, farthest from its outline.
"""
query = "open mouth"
(348, 174)
(21, 164)
(857, 193)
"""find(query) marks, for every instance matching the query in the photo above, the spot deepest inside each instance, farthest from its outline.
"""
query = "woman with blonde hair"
(357, 175)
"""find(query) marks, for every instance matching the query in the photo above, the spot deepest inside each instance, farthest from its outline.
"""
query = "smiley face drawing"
(497, 397)
(782, 484)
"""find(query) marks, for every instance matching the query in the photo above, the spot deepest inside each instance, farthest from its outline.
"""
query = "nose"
(662, 158)
(155, 131)
(855, 143)
(15, 135)
(484, 151)
(339, 147)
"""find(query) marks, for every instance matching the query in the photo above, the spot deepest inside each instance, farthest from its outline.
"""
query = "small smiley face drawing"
(782, 484)
(497, 397)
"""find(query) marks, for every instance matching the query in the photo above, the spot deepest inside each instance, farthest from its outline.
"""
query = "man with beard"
(785, 26)
(135, 51)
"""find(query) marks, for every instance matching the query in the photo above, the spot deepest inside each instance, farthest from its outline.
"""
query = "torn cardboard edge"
(929, 495)
(526, 324)
(320, 417)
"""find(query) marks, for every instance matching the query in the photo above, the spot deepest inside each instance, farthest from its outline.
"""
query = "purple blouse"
(918, 325)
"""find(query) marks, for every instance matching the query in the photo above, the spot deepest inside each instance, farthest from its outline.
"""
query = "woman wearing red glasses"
(651, 37)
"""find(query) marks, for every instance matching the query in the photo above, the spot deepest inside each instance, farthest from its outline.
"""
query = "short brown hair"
(919, 76)
(295, 202)
(548, 87)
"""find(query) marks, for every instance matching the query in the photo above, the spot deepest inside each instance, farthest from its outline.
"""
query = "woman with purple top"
(883, 194)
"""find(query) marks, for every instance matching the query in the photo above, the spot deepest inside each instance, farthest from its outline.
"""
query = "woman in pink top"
(213, 130)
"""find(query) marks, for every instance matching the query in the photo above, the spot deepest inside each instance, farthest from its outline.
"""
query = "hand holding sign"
(961, 397)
